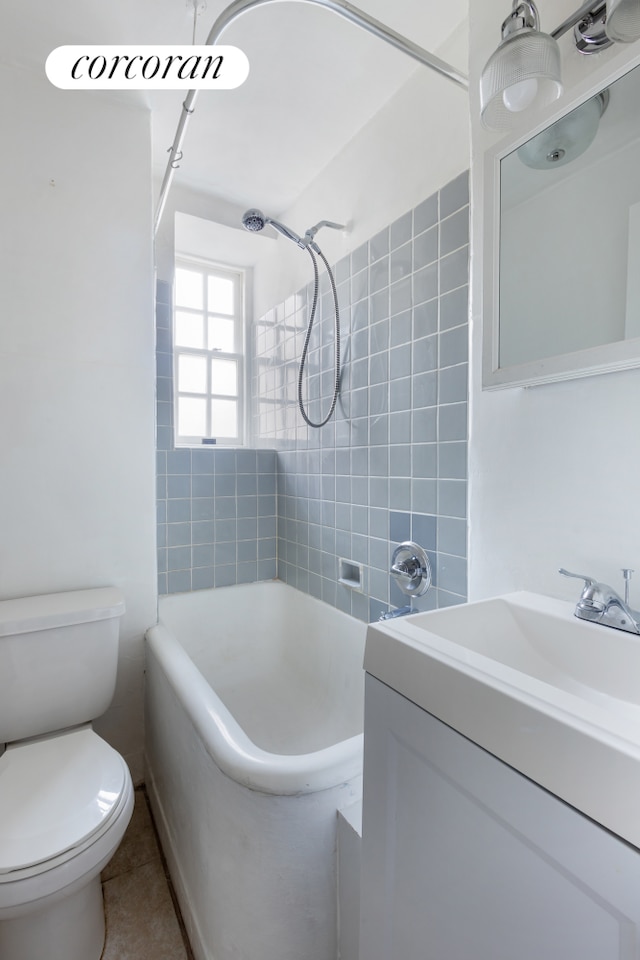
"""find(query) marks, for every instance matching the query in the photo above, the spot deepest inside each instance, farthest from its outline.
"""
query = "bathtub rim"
(232, 750)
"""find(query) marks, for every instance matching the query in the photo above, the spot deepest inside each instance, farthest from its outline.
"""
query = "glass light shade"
(522, 74)
(623, 20)
(565, 140)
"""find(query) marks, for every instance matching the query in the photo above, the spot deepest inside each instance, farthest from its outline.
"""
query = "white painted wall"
(207, 223)
(553, 469)
(417, 143)
(77, 362)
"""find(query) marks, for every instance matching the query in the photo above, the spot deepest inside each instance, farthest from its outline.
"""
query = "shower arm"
(341, 8)
(311, 232)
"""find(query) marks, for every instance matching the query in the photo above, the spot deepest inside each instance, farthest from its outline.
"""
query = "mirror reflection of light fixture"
(523, 73)
(566, 139)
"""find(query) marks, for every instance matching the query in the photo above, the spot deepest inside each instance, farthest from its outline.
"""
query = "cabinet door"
(463, 858)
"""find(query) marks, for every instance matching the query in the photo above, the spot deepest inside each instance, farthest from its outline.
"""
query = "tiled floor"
(142, 923)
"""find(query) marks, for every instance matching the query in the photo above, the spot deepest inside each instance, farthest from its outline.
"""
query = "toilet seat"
(58, 795)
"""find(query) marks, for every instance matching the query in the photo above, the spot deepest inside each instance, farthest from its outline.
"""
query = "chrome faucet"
(397, 612)
(600, 603)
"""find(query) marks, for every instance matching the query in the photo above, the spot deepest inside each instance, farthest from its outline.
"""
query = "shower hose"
(312, 315)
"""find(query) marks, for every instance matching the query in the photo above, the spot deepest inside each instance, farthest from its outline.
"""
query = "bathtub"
(254, 714)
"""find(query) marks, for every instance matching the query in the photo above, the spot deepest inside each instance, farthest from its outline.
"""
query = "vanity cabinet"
(464, 858)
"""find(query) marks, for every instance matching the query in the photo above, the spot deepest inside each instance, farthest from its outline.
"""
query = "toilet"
(66, 796)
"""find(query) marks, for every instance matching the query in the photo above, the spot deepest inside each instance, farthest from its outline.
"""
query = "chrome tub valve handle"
(411, 569)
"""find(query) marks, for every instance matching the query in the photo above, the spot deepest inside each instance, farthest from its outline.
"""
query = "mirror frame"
(622, 355)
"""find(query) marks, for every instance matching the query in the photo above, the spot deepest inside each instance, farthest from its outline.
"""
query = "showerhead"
(254, 220)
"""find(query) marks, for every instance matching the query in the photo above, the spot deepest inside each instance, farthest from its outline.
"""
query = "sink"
(555, 697)
(543, 639)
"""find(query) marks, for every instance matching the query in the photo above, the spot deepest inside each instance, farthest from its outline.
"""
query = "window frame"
(210, 268)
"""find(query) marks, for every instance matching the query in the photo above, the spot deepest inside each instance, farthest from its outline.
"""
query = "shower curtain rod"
(340, 7)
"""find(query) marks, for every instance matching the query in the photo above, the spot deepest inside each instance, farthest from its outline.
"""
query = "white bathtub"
(254, 713)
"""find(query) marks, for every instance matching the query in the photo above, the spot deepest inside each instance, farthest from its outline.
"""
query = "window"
(208, 352)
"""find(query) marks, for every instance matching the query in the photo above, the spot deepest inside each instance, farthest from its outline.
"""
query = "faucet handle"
(588, 581)
(590, 603)
(411, 569)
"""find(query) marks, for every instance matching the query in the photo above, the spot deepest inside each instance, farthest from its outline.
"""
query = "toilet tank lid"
(28, 614)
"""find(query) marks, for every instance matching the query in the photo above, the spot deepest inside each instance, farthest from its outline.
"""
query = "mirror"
(564, 290)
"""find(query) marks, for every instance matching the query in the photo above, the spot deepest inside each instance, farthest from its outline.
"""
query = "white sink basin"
(553, 696)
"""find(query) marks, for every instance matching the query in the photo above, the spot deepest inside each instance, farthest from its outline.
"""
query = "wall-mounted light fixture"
(623, 20)
(523, 74)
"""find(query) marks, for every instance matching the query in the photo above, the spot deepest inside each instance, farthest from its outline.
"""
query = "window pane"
(224, 418)
(192, 374)
(221, 295)
(221, 334)
(189, 331)
(192, 417)
(224, 377)
(188, 288)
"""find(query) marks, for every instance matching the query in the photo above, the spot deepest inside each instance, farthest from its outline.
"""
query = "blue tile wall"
(216, 508)
(392, 464)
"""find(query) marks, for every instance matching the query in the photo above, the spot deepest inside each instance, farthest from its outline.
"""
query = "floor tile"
(139, 844)
(140, 917)
(142, 920)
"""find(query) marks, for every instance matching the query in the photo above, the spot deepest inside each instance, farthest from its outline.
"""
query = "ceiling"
(315, 80)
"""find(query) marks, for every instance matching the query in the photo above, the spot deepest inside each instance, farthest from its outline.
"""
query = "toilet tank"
(58, 660)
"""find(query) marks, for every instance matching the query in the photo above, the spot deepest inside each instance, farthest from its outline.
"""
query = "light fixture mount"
(590, 32)
(524, 16)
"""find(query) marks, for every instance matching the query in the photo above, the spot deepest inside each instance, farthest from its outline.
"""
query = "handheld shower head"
(253, 220)
(286, 232)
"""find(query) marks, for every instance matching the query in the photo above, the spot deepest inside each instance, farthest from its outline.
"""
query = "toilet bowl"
(66, 796)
